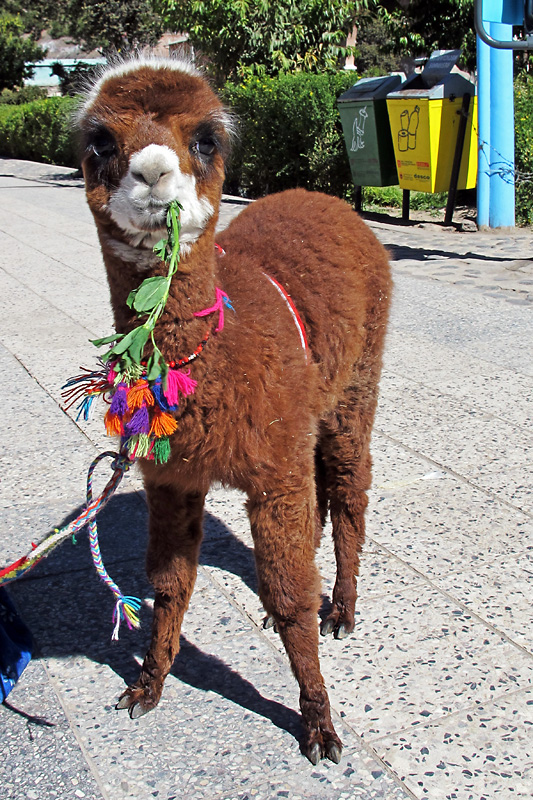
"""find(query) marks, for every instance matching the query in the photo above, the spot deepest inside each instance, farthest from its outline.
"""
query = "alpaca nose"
(150, 174)
(152, 164)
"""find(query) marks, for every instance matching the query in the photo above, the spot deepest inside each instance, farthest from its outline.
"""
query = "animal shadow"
(69, 610)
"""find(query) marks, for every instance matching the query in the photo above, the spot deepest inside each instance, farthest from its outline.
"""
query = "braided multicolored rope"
(126, 608)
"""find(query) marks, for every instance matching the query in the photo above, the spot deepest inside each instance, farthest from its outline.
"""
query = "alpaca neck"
(178, 331)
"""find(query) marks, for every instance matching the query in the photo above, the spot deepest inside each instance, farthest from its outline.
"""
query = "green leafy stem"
(149, 298)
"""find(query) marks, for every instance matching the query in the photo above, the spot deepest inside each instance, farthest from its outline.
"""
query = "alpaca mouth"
(152, 225)
(150, 210)
(149, 219)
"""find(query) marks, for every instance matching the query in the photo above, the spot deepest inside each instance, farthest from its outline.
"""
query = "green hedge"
(40, 131)
(24, 94)
(289, 134)
(523, 97)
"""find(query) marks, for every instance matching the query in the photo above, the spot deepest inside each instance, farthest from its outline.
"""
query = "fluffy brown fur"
(293, 433)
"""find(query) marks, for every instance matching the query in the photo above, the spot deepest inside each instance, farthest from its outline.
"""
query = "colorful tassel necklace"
(143, 393)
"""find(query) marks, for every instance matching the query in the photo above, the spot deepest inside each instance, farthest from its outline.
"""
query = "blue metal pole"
(483, 111)
(501, 191)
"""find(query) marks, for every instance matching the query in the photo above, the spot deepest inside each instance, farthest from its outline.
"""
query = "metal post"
(406, 197)
(454, 177)
(358, 198)
(483, 114)
(496, 200)
(502, 202)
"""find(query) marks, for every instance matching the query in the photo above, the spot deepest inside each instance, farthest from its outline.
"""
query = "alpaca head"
(152, 132)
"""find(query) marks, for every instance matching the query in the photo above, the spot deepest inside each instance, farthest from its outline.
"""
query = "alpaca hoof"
(137, 702)
(137, 710)
(270, 622)
(331, 749)
(314, 755)
(327, 627)
(339, 627)
(342, 631)
(333, 752)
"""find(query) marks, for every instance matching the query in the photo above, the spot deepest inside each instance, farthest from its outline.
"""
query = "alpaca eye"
(204, 147)
(104, 145)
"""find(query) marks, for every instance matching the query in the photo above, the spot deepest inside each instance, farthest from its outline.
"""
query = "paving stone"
(431, 694)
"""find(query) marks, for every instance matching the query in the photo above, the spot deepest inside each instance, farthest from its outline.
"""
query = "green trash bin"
(366, 128)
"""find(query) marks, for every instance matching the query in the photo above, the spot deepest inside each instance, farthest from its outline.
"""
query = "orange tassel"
(139, 393)
(113, 424)
(163, 424)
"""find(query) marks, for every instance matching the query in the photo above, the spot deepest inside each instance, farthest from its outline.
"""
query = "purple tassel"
(140, 422)
(119, 403)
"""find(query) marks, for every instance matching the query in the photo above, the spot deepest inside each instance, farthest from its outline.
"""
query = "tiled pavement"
(431, 695)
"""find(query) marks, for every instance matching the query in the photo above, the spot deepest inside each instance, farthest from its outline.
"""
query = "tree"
(375, 56)
(417, 27)
(109, 25)
(239, 36)
(15, 51)
(39, 15)
(114, 25)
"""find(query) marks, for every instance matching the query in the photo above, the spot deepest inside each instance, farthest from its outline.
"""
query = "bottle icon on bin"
(408, 128)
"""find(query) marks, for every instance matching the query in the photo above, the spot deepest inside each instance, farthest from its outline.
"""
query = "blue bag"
(15, 645)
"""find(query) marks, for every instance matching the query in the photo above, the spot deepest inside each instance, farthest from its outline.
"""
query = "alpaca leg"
(321, 496)
(348, 534)
(172, 559)
(321, 513)
(289, 587)
(348, 462)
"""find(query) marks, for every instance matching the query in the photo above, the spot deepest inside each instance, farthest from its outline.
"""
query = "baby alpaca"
(286, 391)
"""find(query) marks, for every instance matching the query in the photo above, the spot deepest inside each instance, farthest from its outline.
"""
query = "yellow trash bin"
(424, 118)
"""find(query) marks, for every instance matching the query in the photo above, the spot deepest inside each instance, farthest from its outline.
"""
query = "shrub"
(392, 197)
(382, 196)
(289, 134)
(5, 112)
(427, 201)
(40, 131)
(523, 96)
(25, 94)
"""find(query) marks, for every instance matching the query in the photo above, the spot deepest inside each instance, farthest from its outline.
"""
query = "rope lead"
(126, 607)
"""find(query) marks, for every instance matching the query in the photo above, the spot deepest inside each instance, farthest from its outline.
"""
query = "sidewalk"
(431, 694)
